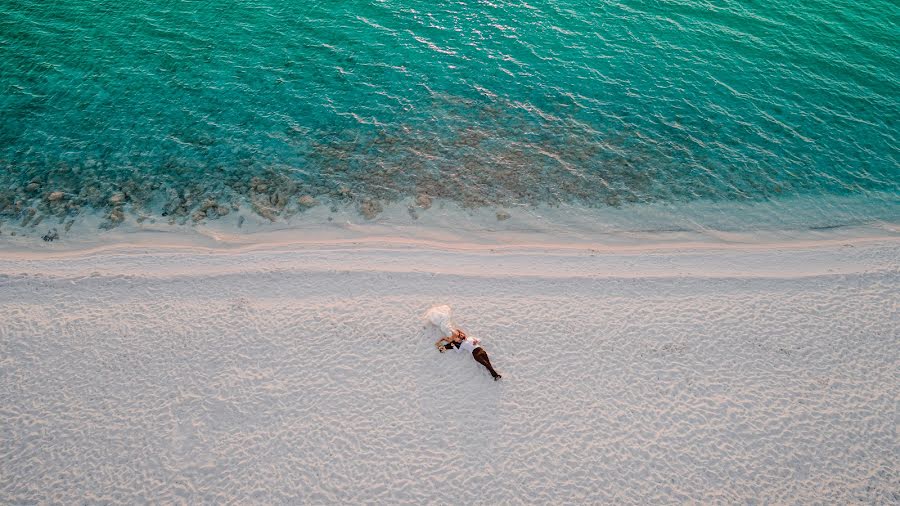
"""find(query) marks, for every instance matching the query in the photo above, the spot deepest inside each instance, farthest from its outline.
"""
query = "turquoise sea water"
(158, 106)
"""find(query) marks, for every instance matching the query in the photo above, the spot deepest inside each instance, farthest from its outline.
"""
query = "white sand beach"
(302, 374)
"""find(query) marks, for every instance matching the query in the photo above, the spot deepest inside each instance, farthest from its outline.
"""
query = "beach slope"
(304, 375)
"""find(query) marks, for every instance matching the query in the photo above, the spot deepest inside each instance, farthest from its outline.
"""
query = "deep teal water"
(486, 102)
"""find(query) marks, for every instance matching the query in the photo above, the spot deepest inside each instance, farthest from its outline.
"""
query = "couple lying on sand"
(459, 341)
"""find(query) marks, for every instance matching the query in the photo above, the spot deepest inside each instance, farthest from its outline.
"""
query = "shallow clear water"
(158, 106)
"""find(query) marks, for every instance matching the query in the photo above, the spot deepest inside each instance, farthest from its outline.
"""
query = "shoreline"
(836, 256)
(444, 224)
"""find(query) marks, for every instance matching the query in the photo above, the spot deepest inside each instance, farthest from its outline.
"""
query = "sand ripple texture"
(321, 387)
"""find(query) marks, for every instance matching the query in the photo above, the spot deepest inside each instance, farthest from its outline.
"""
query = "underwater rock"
(307, 201)
(51, 235)
(208, 204)
(288, 186)
(172, 206)
(267, 213)
(55, 196)
(116, 198)
(91, 195)
(116, 216)
(258, 185)
(28, 216)
(33, 187)
(503, 215)
(181, 210)
(370, 208)
(222, 210)
(259, 207)
(423, 201)
(278, 200)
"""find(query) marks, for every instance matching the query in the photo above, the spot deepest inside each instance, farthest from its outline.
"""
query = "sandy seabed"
(304, 375)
